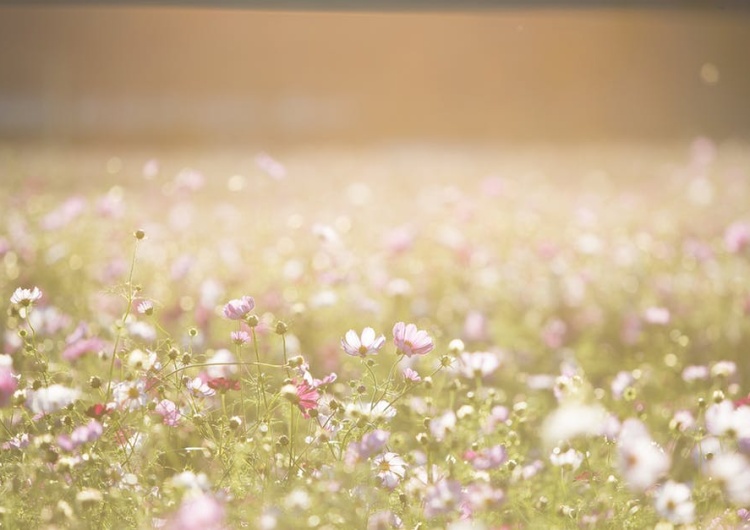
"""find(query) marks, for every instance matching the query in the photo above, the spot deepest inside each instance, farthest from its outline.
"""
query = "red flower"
(222, 384)
(96, 411)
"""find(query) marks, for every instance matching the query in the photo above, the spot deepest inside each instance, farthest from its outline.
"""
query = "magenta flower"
(362, 345)
(411, 341)
(239, 308)
(303, 395)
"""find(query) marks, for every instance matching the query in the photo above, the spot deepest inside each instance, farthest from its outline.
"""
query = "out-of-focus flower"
(270, 166)
(223, 384)
(25, 297)
(572, 420)
(442, 425)
(169, 412)
(371, 444)
(694, 372)
(200, 512)
(723, 369)
(199, 388)
(77, 349)
(391, 469)
(81, 435)
(475, 326)
(362, 345)
(489, 458)
(737, 237)
(477, 364)
(411, 375)
(622, 380)
(554, 333)
(239, 308)
(673, 502)
(411, 341)
(642, 462)
(221, 364)
(657, 315)
(8, 385)
(50, 399)
(442, 497)
(723, 419)
(478, 497)
(570, 459)
(384, 520)
(188, 480)
(732, 470)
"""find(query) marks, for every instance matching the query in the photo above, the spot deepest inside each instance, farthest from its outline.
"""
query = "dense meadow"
(405, 337)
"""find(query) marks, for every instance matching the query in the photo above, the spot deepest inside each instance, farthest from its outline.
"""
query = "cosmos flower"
(488, 458)
(8, 385)
(570, 459)
(362, 345)
(391, 469)
(239, 308)
(169, 412)
(51, 399)
(302, 394)
(642, 462)
(723, 419)
(25, 297)
(477, 364)
(674, 504)
(198, 512)
(199, 388)
(240, 337)
(411, 341)
(130, 395)
(732, 471)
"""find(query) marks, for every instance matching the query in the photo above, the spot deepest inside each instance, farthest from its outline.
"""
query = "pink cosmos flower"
(411, 375)
(81, 347)
(489, 458)
(411, 341)
(362, 345)
(169, 412)
(198, 513)
(304, 396)
(239, 308)
(240, 337)
(8, 385)
(371, 444)
(81, 435)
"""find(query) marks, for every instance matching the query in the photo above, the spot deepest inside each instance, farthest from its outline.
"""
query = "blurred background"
(146, 75)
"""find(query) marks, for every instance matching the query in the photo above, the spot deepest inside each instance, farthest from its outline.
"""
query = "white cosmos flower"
(391, 469)
(25, 297)
(50, 399)
(362, 345)
(673, 502)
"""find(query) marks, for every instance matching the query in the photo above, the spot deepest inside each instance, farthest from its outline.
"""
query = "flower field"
(403, 337)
